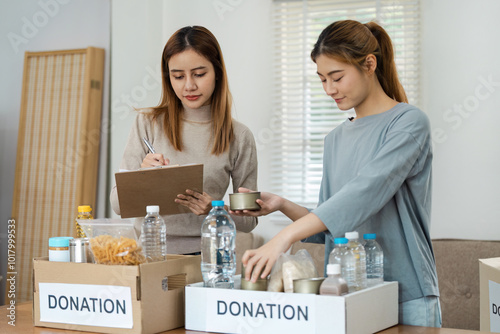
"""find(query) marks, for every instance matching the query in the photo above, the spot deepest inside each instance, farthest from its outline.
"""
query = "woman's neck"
(202, 114)
(376, 102)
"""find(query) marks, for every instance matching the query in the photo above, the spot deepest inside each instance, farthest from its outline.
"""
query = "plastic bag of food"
(113, 241)
(275, 283)
(290, 267)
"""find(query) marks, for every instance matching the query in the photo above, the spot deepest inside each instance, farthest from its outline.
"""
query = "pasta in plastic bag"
(113, 241)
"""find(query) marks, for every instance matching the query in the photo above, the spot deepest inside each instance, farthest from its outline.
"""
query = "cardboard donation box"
(243, 311)
(489, 294)
(146, 298)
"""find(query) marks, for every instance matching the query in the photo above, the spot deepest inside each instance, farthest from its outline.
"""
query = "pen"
(148, 144)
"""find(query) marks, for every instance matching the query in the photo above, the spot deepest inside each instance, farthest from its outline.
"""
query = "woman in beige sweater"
(193, 124)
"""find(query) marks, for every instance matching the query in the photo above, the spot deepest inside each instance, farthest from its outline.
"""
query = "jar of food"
(59, 249)
(79, 250)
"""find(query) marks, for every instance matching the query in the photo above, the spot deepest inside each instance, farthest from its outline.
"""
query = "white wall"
(41, 25)
(461, 95)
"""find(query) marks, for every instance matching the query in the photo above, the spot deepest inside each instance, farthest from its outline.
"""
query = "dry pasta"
(110, 250)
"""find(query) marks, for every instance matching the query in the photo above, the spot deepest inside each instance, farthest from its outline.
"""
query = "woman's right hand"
(154, 160)
(268, 203)
(261, 260)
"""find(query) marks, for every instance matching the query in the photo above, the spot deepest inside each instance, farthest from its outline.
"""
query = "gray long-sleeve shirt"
(377, 179)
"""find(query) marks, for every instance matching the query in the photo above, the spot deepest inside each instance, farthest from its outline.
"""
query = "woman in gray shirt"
(376, 171)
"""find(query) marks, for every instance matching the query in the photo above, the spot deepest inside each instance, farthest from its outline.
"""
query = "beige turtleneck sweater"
(239, 164)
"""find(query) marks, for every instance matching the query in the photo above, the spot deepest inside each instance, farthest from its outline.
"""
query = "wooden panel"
(57, 150)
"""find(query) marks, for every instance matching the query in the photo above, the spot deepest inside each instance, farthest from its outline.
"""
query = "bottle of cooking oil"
(84, 212)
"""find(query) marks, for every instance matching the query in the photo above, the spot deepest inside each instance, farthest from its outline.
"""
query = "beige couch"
(457, 264)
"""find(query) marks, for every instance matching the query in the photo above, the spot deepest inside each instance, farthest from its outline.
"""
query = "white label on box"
(247, 313)
(227, 311)
(494, 289)
(86, 304)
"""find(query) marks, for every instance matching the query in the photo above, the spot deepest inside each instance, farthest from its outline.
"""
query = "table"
(24, 324)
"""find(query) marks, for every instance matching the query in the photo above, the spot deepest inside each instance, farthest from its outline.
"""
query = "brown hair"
(351, 42)
(202, 41)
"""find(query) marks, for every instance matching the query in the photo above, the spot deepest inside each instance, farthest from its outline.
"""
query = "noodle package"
(113, 241)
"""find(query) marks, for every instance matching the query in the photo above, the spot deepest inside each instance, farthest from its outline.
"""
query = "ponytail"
(387, 73)
(351, 42)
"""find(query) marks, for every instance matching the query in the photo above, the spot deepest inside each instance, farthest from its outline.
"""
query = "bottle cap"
(84, 208)
(333, 269)
(352, 235)
(370, 236)
(340, 241)
(59, 241)
(153, 208)
(217, 203)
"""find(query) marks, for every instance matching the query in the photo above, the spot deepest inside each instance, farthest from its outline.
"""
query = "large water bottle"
(344, 256)
(218, 256)
(360, 255)
(154, 235)
(374, 260)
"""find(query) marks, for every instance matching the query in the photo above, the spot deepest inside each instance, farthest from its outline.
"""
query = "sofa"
(457, 264)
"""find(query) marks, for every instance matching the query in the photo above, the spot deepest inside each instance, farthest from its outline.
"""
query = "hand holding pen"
(153, 159)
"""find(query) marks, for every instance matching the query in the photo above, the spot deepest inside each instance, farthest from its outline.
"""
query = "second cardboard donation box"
(142, 299)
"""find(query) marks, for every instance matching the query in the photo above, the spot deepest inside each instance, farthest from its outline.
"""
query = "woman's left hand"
(198, 203)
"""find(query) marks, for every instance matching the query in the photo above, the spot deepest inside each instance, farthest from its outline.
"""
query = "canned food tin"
(244, 201)
(79, 250)
(259, 285)
(307, 285)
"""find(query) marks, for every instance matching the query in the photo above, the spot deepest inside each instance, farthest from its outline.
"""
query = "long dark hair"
(351, 42)
(202, 41)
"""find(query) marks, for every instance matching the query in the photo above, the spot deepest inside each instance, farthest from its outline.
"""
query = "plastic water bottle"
(360, 255)
(344, 256)
(374, 260)
(334, 284)
(154, 235)
(218, 256)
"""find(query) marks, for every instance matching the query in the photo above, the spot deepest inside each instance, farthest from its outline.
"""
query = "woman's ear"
(370, 63)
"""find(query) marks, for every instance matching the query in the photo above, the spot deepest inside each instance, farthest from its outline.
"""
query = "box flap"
(493, 262)
(163, 307)
(360, 305)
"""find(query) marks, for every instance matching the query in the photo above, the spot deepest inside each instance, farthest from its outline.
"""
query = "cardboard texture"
(489, 295)
(243, 311)
(156, 186)
(153, 309)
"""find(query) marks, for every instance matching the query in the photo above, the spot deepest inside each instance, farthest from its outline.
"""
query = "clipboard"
(156, 186)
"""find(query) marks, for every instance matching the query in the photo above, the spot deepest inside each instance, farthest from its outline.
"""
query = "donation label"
(86, 304)
(494, 289)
